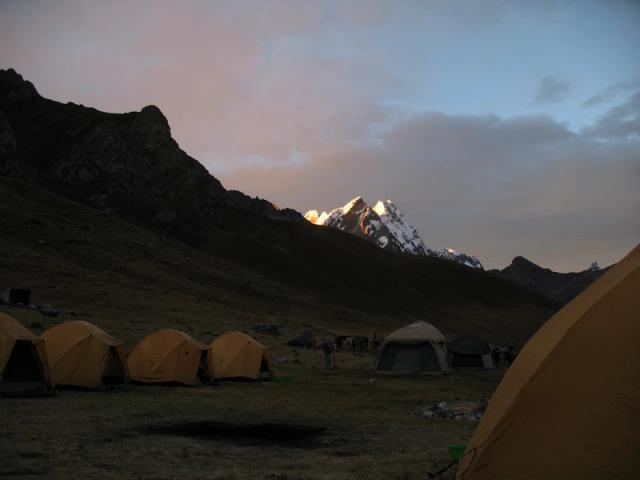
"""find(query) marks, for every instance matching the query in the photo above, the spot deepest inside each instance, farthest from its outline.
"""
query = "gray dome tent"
(470, 351)
(414, 349)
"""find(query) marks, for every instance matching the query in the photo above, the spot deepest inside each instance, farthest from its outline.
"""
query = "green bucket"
(456, 451)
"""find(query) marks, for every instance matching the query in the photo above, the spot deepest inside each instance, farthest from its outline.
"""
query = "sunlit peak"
(351, 203)
(311, 216)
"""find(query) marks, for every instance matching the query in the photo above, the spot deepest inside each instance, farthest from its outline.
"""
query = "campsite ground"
(306, 424)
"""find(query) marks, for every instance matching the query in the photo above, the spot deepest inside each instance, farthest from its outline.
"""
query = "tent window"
(23, 365)
(114, 370)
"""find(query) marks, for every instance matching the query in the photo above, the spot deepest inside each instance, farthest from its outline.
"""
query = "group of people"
(353, 343)
(503, 356)
(350, 343)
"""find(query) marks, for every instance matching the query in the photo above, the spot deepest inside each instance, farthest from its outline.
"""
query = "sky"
(499, 128)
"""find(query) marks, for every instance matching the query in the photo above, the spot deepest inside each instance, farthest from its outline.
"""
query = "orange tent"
(82, 355)
(237, 355)
(166, 356)
(23, 360)
(569, 406)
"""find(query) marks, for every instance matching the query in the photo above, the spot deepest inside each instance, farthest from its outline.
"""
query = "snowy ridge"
(385, 226)
(450, 254)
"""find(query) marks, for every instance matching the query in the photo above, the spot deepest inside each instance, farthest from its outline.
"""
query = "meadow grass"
(371, 426)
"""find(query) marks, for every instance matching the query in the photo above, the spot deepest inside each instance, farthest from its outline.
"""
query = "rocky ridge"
(560, 287)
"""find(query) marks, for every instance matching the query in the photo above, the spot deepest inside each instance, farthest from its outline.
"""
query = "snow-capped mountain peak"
(357, 218)
(406, 234)
(312, 216)
(385, 226)
(357, 202)
(380, 207)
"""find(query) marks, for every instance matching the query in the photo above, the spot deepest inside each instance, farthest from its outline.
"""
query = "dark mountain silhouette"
(560, 287)
(127, 163)
(127, 166)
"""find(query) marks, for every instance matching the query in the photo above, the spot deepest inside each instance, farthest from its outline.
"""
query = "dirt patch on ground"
(278, 434)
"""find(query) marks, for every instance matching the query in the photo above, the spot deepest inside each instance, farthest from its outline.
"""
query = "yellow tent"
(82, 355)
(236, 355)
(166, 356)
(569, 406)
(414, 349)
(23, 360)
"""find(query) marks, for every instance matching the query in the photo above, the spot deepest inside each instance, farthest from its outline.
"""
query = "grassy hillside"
(132, 280)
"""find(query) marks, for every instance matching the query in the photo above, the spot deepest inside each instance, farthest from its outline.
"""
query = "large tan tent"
(166, 356)
(414, 349)
(237, 355)
(82, 355)
(569, 406)
(23, 361)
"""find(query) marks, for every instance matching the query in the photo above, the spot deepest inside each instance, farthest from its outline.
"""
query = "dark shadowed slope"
(158, 240)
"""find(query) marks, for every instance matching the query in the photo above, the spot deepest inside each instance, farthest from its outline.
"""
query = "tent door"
(203, 367)
(408, 359)
(264, 369)
(24, 364)
(113, 370)
(23, 373)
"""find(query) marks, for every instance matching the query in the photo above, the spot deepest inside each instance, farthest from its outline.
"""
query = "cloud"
(621, 122)
(612, 93)
(551, 90)
(236, 79)
(491, 186)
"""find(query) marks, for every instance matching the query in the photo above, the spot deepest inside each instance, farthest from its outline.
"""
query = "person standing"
(328, 348)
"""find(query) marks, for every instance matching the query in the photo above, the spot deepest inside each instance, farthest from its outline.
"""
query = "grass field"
(306, 424)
